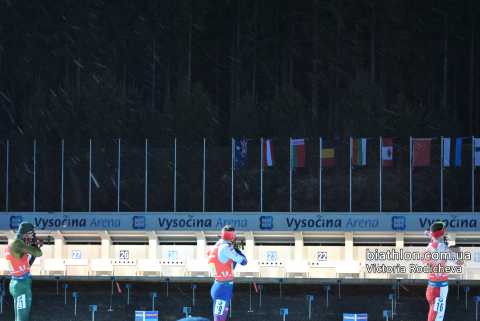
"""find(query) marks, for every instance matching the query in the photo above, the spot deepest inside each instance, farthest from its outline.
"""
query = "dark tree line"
(217, 69)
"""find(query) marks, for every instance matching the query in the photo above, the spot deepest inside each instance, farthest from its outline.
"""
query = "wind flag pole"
(204, 148)
(90, 180)
(442, 158)
(380, 176)
(175, 180)
(146, 172)
(261, 174)
(63, 162)
(350, 174)
(6, 196)
(411, 157)
(320, 178)
(118, 189)
(291, 164)
(233, 165)
(34, 170)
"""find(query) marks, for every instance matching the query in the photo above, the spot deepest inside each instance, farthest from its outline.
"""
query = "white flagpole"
(351, 174)
(204, 149)
(233, 165)
(8, 156)
(442, 156)
(261, 174)
(381, 164)
(175, 180)
(34, 170)
(63, 162)
(146, 173)
(118, 189)
(291, 164)
(411, 157)
(90, 180)
(320, 178)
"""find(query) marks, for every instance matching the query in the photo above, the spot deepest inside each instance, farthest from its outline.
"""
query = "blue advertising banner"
(242, 221)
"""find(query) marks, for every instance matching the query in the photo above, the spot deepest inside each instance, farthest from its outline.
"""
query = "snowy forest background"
(194, 69)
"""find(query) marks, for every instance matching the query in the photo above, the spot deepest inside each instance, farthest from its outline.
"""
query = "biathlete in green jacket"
(18, 260)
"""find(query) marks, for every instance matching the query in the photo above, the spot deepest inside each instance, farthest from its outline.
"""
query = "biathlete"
(17, 255)
(222, 259)
(437, 289)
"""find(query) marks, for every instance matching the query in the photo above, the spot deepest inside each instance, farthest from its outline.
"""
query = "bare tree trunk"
(372, 48)
(189, 71)
(153, 72)
(254, 71)
(315, 63)
(337, 71)
(470, 109)
(445, 58)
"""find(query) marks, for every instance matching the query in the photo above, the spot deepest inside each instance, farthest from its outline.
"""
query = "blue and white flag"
(455, 148)
(240, 153)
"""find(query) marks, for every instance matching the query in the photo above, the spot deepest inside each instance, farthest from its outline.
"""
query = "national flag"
(359, 151)
(477, 151)
(268, 159)
(328, 155)
(240, 153)
(448, 149)
(298, 153)
(421, 152)
(387, 151)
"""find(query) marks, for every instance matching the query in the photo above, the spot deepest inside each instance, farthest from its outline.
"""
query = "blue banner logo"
(266, 222)
(15, 222)
(399, 222)
(139, 222)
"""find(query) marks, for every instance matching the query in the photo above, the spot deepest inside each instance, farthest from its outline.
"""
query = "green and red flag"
(298, 153)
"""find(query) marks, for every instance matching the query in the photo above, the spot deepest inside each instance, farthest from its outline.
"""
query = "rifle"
(38, 243)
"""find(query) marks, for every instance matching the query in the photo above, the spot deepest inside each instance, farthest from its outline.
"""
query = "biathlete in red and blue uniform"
(222, 259)
(436, 256)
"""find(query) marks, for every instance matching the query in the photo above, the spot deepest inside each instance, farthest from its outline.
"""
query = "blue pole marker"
(310, 299)
(65, 286)
(387, 313)
(355, 317)
(398, 289)
(111, 296)
(93, 308)
(56, 278)
(1, 302)
(339, 281)
(260, 287)
(166, 280)
(146, 315)
(477, 298)
(394, 287)
(458, 289)
(128, 293)
(284, 312)
(153, 295)
(75, 295)
(187, 310)
(280, 281)
(327, 287)
(193, 288)
(392, 297)
(466, 289)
